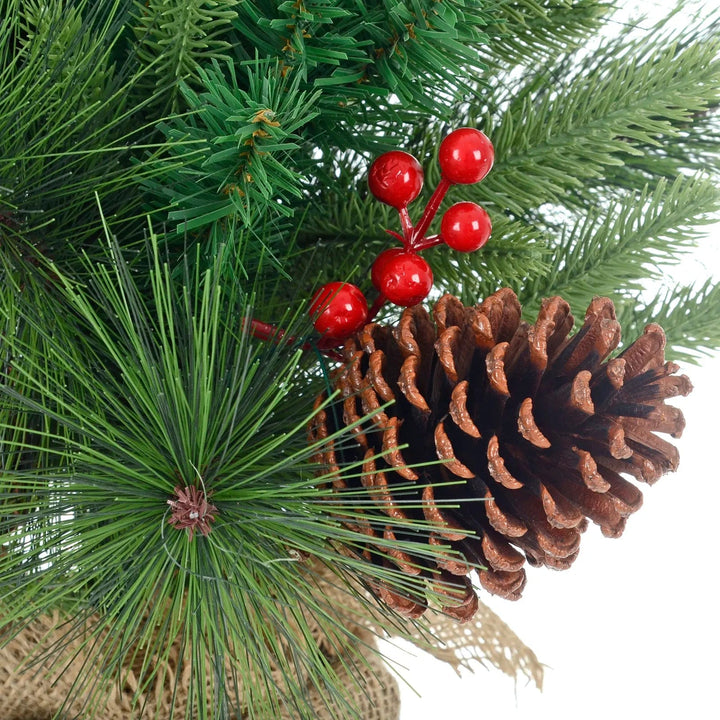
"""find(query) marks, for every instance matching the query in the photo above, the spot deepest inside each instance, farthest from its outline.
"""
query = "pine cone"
(537, 431)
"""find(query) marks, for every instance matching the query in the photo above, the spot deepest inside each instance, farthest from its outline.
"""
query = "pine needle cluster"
(66, 125)
(235, 153)
(140, 396)
(361, 53)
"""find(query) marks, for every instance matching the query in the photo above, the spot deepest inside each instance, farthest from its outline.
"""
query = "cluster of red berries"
(400, 274)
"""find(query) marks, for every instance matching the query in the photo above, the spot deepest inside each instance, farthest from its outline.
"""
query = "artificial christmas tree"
(178, 181)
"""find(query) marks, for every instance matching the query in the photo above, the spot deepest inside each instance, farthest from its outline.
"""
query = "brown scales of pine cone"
(538, 432)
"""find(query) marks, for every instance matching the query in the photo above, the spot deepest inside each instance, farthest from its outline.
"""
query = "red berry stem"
(380, 300)
(397, 236)
(407, 227)
(429, 213)
(265, 331)
(270, 333)
(428, 242)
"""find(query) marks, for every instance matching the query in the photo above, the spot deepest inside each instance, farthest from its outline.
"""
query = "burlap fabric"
(486, 641)
(37, 692)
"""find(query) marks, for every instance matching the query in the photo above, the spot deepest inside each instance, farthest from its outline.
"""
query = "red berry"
(465, 156)
(465, 226)
(377, 272)
(402, 277)
(395, 178)
(341, 310)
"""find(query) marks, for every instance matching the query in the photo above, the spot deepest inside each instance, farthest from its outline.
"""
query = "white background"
(632, 630)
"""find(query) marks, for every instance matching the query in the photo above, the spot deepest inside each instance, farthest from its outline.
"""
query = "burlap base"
(34, 693)
(37, 692)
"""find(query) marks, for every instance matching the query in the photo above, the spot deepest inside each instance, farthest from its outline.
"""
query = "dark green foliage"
(233, 153)
(23, 432)
(526, 31)
(618, 250)
(361, 52)
(66, 126)
(562, 141)
(687, 313)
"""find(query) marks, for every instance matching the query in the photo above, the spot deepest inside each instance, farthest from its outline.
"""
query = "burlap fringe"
(38, 692)
(486, 641)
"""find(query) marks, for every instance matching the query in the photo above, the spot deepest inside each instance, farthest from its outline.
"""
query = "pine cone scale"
(646, 353)
(445, 451)
(495, 363)
(408, 385)
(500, 554)
(559, 511)
(459, 412)
(666, 419)
(584, 462)
(377, 369)
(528, 427)
(505, 584)
(504, 522)
(599, 507)
(497, 468)
(606, 381)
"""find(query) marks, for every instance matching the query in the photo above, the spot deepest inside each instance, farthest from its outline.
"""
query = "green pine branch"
(692, 143)
(68, 129)
(615, 251)
(19, 428)
(561, 137)
(689, 315)
(175, 39)
(523, 31)
(230, 166)
(57, 33)
(369, 58)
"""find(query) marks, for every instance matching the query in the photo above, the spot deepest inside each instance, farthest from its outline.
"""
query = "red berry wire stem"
(264, 331)
(418, 235)
(428, 242)
(270, 333)
(407, 227)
